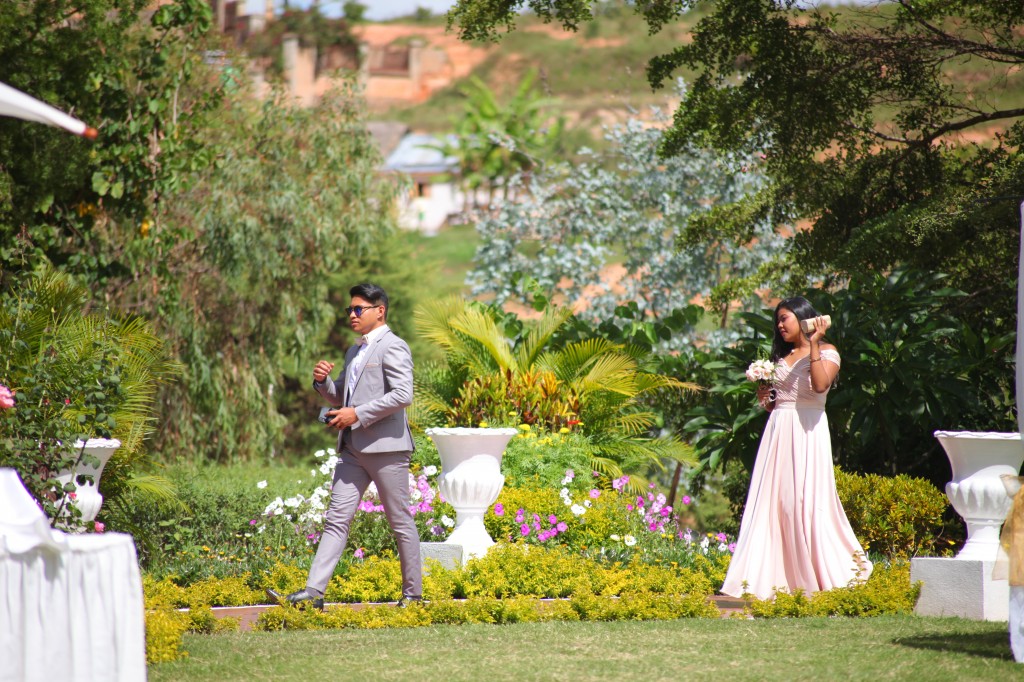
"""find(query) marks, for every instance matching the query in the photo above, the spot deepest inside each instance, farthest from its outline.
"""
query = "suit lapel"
(350, 355)
(371, 353)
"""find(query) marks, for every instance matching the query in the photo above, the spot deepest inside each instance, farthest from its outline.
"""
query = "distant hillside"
(598, 74)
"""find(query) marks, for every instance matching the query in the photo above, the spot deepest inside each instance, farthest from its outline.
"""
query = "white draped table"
(71, 606)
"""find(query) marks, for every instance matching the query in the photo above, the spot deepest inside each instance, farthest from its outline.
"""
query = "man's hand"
(343, 417)
(322, 371)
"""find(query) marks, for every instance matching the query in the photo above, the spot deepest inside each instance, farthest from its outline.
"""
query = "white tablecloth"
(70, 610)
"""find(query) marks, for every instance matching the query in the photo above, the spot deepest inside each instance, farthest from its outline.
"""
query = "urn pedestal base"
(959, 587)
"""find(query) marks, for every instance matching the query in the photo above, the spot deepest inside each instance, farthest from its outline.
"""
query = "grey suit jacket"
(382, 391)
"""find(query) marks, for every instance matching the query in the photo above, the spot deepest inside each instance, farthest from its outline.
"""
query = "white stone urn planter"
(87, 496)
(976, 491)
(471, 480)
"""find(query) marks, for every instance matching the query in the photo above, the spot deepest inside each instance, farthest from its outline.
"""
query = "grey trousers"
(390, 472)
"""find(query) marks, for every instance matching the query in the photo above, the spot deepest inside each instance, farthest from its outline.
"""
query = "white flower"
(261, 485)
(704, 544)
(761, 370)
(318, 453)
(415, 495)
(615, 537)
(564, 492)
(372, 489)
(447, 521)
(722, 547)
(586, 503)
(629, 540)
(578, 510)
(430, 470)
(293, 502)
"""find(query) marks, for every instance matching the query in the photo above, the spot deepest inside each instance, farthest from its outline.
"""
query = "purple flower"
(665, 511)
(629, 507)
(552, 519)
(359, 554)
(562, 527)
(499, 509)
(524, 530)
(252, 522)
(732, 547)
(596, 475)
(570, 474)
(687, 499)
(6, 397)
(595, 493)
(721, 537)
(651, 486)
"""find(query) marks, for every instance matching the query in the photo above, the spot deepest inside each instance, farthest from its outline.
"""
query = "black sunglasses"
(360, 309)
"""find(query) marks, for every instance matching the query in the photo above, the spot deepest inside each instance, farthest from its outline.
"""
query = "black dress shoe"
(296, 597)
(405, 602)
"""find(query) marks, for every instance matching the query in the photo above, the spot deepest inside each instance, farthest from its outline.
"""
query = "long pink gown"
(794, 533)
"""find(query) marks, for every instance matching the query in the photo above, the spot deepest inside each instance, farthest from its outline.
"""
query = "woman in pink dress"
(794, 533)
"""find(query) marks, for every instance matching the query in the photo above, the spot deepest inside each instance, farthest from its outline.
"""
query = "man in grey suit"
(374, 442)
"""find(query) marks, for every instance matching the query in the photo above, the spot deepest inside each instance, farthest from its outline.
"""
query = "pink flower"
(732, 546)
(595, 493)
(6, 397)
(524, 530)
(721, 537)
(72, 496)
(499, 509)
(98, 527)
(552, 519)
(562, 527)
(359, 553)
(687, 499)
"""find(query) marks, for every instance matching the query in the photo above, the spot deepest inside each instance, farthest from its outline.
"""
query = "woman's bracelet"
(815, 359)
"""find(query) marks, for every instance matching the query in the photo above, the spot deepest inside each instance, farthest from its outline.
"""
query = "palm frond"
(482, 328)
(573, 361)
(540, 333)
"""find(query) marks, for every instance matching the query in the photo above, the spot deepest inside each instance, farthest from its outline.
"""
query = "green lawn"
(887, 648)
(448, 256)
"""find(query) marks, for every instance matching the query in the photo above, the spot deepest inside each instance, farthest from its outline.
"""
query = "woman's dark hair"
(372, 293)
(799, 306)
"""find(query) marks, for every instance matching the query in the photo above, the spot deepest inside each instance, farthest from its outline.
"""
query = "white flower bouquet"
(762, 371)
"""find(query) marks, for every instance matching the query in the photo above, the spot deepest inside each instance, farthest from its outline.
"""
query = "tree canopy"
(890, 133)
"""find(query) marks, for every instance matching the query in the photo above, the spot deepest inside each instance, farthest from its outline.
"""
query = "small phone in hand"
(808, 324)
(325, 418)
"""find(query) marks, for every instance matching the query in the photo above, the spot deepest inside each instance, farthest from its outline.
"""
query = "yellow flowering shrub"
(887, 591)
(165, 629)
(376, 579)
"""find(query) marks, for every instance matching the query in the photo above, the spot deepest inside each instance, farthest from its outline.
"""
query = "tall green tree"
(892, 130)
(140, 82)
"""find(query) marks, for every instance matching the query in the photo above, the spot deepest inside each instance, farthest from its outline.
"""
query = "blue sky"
(377, 10)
